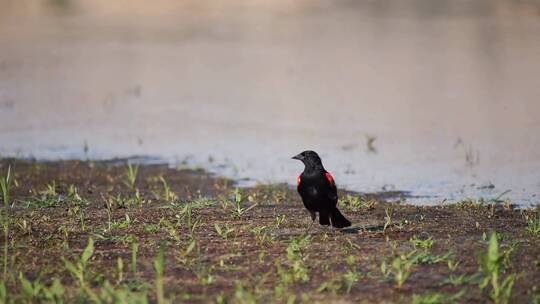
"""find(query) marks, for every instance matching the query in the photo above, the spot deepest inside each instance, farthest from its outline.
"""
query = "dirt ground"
(222, 244)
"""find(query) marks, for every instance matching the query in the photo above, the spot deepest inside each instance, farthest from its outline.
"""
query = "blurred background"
(437, 97)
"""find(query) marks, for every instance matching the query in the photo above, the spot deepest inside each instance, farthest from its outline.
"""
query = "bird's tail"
(323, 218)
(338, 220)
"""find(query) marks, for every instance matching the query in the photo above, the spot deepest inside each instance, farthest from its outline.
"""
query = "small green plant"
(535, 299)
(357, 202)
(24, 226)
(124, 239)
(3, 292)
(171, 230)
(152, 228)
(183, 255)
(400, 268)
(294, 270)
(424, 244)
(78, 212)
(238, 209)
(223, 232)
(492, 267)
(121, 224)
(262, 235)
(461, 279)
(453, 265)
(424, 257)
(456, 279)
(159, 267)
(432, 298)
(203, 272)
(438, 298)
(332, 286)
(109, 294)
(5, 221)
(108, 210)
(190, 222)
(280, 219)
(119, 270)
(297, 246)
(30, 290)
(36, 291)
(224, 203)
(50, 197)
(121, 202)
(296, 256)
(241, 295)
(50, 190)
(470, 203)
(134, 251)
(54, 293)
(66, 232)
(388, 218)
(350, 278)
(533, 225)
(5, 186)
(169, 195)
(130, 176)
(77, 268)
(262, 256)
(279, 196)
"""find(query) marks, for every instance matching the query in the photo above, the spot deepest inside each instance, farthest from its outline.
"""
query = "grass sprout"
(223, 232)
(169, 195)
(389, 212)
(130, 176)
(533, 225)
(492, 267)
(237, 204)
(159, 267)
(424, 244)
(357, 202)
(77, 268)
(5, 186)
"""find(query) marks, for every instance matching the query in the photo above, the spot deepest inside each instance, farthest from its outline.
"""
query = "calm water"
(448, 89)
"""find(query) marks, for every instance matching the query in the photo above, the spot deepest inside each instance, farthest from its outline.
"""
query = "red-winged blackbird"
(318, 191)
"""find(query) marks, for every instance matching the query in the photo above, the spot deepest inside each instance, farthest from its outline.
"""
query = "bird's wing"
(330, 179)
(332, 194)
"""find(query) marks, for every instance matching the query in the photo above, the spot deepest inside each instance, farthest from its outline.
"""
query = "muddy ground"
(221, 244)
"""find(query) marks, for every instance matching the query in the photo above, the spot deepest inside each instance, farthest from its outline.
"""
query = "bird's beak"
(299, 157)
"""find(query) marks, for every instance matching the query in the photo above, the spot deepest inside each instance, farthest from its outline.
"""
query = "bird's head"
(309, 158)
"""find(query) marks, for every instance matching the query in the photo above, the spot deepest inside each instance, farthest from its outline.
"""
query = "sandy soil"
(260, 254)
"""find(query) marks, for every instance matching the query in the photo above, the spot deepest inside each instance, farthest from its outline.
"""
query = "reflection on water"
(437, 97)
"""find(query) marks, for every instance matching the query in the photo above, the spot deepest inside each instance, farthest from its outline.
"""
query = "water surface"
(449, 90)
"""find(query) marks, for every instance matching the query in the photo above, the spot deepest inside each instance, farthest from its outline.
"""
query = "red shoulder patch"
(330, 179)
(298, 180)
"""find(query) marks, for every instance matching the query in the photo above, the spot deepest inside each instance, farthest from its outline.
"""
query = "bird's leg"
(334, 231)
(309, 227)
(313, 217)
(330, 230)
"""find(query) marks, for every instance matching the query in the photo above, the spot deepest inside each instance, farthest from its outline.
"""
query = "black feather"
(318, 191)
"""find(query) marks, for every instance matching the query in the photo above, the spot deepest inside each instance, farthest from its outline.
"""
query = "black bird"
(318, 190)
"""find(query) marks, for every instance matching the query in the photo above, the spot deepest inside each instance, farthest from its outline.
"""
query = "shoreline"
(394, 195)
